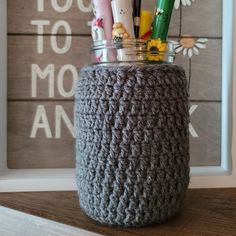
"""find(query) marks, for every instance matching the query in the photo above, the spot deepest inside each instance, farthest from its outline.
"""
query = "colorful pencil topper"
(137, 11)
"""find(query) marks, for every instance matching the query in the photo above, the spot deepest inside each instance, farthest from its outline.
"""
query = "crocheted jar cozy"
(132, 142)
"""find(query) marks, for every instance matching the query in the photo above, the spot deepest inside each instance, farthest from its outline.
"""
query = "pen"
(162, 19)
(145, 24)
(102, 27)
(103, 18)
(123, 28)
(136, 12)
(123, 13)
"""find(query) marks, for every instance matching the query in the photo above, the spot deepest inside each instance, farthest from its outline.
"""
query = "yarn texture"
(132, 142)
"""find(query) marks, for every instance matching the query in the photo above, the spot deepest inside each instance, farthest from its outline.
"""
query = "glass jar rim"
(133, 50)
(128, 43)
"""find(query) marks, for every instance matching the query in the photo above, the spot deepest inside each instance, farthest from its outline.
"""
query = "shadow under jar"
(132, 139)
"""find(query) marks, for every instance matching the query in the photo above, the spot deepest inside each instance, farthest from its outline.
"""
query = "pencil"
(122, 13)
(145, 24)
(137, 10)
(161, 22)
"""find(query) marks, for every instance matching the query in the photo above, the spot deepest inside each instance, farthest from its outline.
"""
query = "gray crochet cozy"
(132, 142)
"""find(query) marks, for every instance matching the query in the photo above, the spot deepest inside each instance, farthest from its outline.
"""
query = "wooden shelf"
(206, 212)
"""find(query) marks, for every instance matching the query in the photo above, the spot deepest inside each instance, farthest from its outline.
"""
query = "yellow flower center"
(187, 42)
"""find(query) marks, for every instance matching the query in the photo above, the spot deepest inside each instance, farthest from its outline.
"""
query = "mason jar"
(132, 139)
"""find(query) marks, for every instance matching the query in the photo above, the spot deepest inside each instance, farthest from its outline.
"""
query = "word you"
(66, 6)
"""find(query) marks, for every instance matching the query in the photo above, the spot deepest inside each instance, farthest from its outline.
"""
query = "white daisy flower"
(190, 46)
(183, 2)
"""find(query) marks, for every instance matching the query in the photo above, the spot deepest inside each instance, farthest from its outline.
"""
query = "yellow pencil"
(145, 23)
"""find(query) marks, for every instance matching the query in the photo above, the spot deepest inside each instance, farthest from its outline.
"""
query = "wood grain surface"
(205, 149)
(29, 225)
(21, 12)
(205, 71)
(39, 152)
(203, 19)
(22, 53)
(210, 212)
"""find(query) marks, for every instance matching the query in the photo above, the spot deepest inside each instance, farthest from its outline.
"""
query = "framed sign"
(44, 44)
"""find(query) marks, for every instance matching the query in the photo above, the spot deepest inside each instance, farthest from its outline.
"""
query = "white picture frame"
(64, 179)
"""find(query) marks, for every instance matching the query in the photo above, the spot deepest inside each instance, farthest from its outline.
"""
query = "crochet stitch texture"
(132, 142)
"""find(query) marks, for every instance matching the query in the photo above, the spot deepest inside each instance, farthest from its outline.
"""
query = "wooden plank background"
(23, 53)
(201, 19)
(41, 152)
